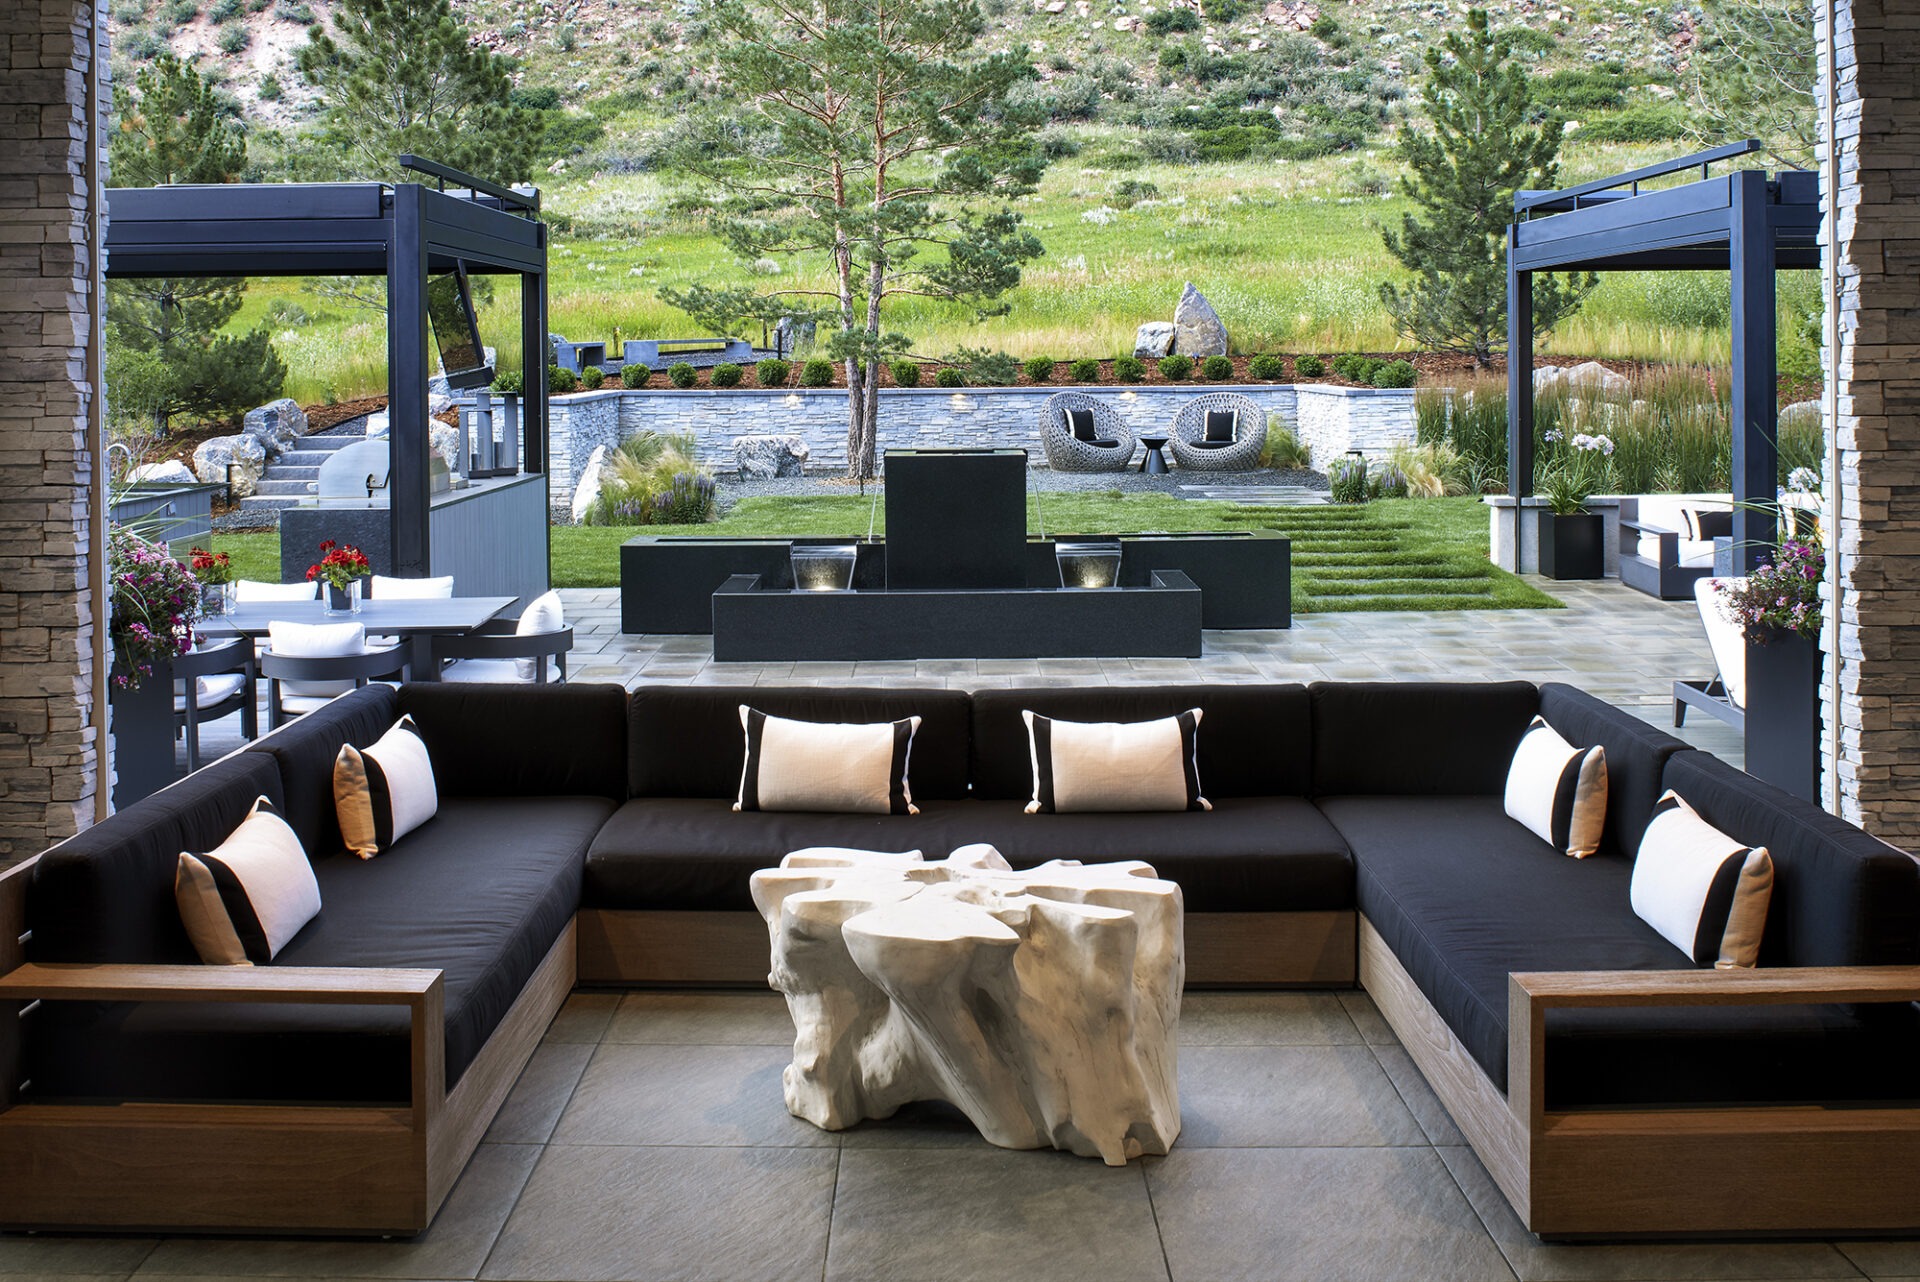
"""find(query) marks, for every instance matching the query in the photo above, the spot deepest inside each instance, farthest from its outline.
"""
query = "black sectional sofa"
(585, 836)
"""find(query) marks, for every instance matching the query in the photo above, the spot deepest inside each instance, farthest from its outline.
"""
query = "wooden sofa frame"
(349, 1169)
(1740, 1170)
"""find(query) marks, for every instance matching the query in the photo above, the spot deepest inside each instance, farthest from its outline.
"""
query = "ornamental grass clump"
(155, 600)
(652, 479)
(1782, 595)
(1347, 480)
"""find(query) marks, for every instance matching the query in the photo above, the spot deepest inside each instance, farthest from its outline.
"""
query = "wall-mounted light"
(1088, 563)
(823, 567)
(793, 400)
(964, 403)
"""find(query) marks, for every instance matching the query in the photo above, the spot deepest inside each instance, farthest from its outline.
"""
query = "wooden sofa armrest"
(1531, 994)
(422, 992)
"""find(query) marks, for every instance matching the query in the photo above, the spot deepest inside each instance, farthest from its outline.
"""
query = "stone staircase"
(290, 478)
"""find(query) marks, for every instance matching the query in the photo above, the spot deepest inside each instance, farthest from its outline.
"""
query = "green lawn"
(1408, 554)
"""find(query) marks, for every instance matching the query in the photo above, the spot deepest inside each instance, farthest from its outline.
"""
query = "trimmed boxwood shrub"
(1394, 374)
(1309, 366)
(1356, 368)
(1128, 369)
(592, 377)
(817, 372)
(561, 380)
(772, 372)
(726, 374)
(1175, 367)
(510, 382)
(1267, 366)
(1217, 367)
(682, 375)
(1039, 368)
(949, 377)
(635, 375)
(905, 373)
(1084, 370)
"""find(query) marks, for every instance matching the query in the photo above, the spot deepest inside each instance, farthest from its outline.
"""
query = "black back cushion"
(686, 741)
(1840, 896)
(107, 894)
(523, 740)
(1417, 738)
(1220, 427)
(1252, 740)
(1636, 758)
(1082, 424)
(304, 750)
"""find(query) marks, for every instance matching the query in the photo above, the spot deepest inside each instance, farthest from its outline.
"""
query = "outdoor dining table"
(415, 622)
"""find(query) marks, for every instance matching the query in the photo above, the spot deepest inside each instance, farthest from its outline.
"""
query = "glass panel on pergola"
(1746, 223)
(493, 535)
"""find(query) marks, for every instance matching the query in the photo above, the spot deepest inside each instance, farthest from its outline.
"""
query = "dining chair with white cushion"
(308, 664)
(388, 588)
(255, 591)
(510, 651)
(220, 677)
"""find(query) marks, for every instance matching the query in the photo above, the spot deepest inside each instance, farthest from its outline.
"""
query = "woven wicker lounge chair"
(1190, 446)
(1109, 451)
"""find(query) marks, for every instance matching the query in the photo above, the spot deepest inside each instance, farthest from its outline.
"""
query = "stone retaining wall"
(1332, 420)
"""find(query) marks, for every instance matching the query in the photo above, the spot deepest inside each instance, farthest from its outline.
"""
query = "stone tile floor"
(647, 1140)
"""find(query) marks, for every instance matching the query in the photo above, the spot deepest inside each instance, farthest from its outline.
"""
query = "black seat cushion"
(1252, 739)
(1464, 896)
(686, 741)
(480, 893)
(1246, 855)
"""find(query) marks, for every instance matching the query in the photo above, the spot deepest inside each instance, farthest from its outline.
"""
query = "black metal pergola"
(405, 232)
(1745, 223)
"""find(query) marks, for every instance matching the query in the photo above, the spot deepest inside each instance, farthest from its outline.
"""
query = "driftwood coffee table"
(1044, 1004)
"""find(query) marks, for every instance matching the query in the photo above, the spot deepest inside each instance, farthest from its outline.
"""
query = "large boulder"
(587, 486)
(277, 424)
(770, 456)
(242, 453)
(1549, 378)
(1801, 413)
(1153, 340)
(171, 472)
(1197, 328)
(1595, 377)
(446, 443)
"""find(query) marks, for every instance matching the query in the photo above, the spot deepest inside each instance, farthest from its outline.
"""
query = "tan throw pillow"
(823, 766)
(1558, 791)
(384, 791)
(1115, 765)
(244, 899)
(1703, 891)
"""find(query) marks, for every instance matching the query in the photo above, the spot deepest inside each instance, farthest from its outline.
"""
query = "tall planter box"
(1572, 547)
(143, 761)
(1783, 713)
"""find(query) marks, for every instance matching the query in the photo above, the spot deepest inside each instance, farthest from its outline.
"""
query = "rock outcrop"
(240, 459)
(1197, 329)
(764, 457)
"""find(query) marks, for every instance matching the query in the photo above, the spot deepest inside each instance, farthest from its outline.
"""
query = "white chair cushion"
(314, 641)
(1696, 553)
(543, 614)
(394, 589)
(485, 671)
(208, 691)
(252, 590)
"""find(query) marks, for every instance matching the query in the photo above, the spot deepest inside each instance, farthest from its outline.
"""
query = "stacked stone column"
(1875, 633)
(50, 732)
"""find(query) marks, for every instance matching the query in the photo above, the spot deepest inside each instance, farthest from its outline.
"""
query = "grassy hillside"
(1158, 182)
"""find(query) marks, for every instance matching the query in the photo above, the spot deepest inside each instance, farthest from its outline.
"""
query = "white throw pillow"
(384, 791)
(1115, 765)
(822, 766)
(244, 899)
(1557, 791)
(1703, 891)
(543, 614)
(387, 588)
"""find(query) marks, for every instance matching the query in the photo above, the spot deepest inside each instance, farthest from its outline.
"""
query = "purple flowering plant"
(155, 601)
(1782, 595)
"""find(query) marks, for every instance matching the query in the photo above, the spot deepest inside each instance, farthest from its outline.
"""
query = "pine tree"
(884, 141)
(1754, 73)
(174, 131)
(166, 355)
(1488, 140)
(401, 76)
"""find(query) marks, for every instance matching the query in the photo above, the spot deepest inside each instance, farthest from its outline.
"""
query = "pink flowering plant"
(1781, 596)
(155, 601)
